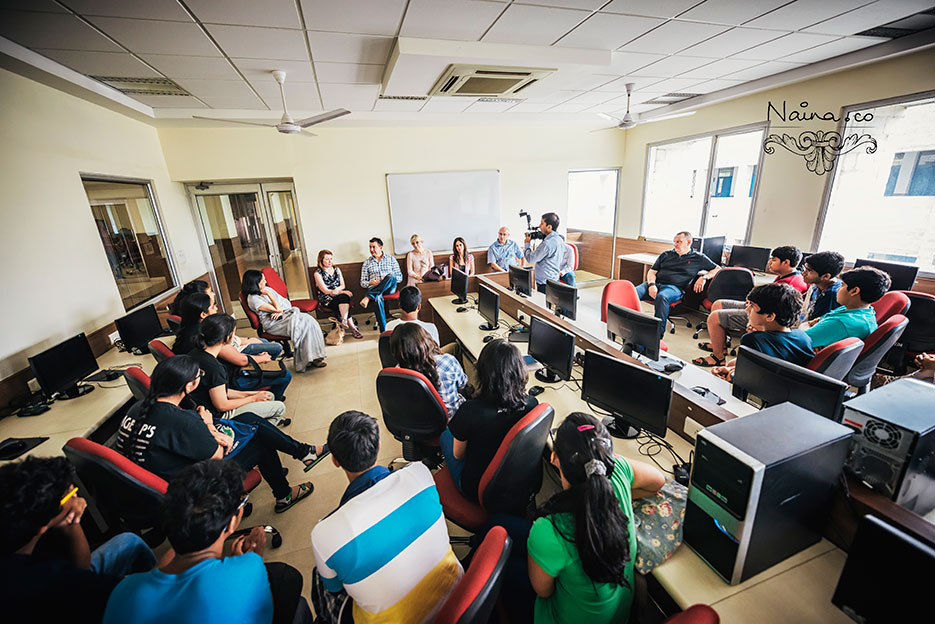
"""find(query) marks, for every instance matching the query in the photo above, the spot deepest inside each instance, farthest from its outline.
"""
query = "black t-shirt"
(171, 439)
(483, 427)
(216, 374)
(679, 271)
(185, 339)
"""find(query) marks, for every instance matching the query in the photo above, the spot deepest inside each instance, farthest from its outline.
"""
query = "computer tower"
(893, 451)
(760, 488)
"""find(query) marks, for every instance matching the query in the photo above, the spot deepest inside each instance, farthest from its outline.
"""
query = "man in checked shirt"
(379, 275)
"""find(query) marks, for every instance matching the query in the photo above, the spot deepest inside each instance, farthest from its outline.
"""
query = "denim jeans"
(122, 555)
(263, 452)
(387, 286)
(455, 465)
(666, 295)
(276, 386)
(273, 348)
(568, 278)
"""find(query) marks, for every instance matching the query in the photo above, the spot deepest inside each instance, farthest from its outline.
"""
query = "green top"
(842, 323)
(576, 597)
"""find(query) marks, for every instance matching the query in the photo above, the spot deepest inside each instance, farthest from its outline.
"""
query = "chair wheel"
(672, 331)
(733, 351)
(695, 336)
(688, 324)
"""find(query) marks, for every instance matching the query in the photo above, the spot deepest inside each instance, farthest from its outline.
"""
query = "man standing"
(379, 275)
(504, 252)
(548, 257)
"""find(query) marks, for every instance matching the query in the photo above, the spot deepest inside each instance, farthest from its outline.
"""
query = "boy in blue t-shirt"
(856, 317)
(772, 310)
(821, 274)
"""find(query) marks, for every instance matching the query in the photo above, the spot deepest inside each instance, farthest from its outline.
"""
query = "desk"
(634, 267)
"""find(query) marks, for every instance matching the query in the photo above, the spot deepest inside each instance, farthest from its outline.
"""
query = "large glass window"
(132, 238)
(882, 204)
(592, 200)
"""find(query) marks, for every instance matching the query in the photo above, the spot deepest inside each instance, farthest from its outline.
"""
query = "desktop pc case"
(893, 449)
(760, 488)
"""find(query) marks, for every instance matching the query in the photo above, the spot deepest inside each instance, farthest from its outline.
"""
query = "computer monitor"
(763, 380)
(521, 280)
(138, 328)
(871, 588)
(59, 369)
(753, 258)
(637, 331)
(488, 306)
(459, 286)
(712, 246)
(637, 397)
(562, 299)
(902, 276)
(552, 347)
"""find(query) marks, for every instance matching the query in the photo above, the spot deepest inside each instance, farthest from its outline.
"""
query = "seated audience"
(278, 316)
(332, 291)
(418, 261)
(410, 302)
(477, 430)
(39, 506)
(566, 274)
(821, 274)
(165, 439)
(460, 258)
(203, 507)
(548, 256)
(503, 252)
(385, 548)
(192, 287)
(855, 318)
(380, 275)
(416, 350)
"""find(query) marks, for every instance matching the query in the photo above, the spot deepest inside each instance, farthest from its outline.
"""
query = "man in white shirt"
(410, 302)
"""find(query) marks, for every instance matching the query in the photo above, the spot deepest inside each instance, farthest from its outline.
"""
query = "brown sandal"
(706, 362)
(706, 346)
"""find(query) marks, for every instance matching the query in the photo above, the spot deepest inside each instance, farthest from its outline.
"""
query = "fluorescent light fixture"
(667, 117)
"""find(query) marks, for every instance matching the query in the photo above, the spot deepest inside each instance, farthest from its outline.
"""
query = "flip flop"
(703, 361)
(705, 346)
(311, 460)
(305, 490)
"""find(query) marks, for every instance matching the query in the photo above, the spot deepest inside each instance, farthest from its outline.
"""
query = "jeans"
(122, 555)
(666, 295)
(263, 452)
(455, 465)
(541, 287)
(276, 386)
(273, 348)
(568, 278)
(387, 286)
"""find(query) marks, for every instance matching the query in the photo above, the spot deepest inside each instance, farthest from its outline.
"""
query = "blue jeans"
(122, 555)
(273, 348)
(666, 295)
(568, 278)
(277, 386)
(455, 465)
(387, 286)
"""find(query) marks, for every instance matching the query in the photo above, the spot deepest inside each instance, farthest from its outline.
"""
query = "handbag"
(241, 432)
(658, 523)
(437, 273)
(259, 374)
(336, 335)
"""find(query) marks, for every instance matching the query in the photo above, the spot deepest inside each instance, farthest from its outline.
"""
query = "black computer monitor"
(459, 286)
(713, 247)
(552, 347)
(59, 369)
(521, 280)
(562, 299)
(753, 258)
(488, 306)
(637, 331)
(872, 589)
(138, 328)
(902, 276)
(637, 397)
(763, 380)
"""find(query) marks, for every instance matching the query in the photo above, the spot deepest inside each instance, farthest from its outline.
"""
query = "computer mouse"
(488, 338)
(536, 390)
(671, 367)
(13, 446)
(461, 309)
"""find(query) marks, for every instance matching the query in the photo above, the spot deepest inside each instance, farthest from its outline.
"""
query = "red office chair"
(875, 347)
(138, 381)
(473, 598)
(837, 359)
(510, 481)
(175, 323)
(159, 350)
(255, 324)
(574, 255)
(623, 293)
(275, 282)
(729, 283)
(413, 412)
(920, 335)
(387, 359)
(695, 614)
(893, 302)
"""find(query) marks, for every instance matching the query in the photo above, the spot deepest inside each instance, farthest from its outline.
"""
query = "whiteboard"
(441, 206)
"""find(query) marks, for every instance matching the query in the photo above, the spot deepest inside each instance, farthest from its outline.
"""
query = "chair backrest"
(875, 347)
(515, 472)
(621, 292)
(695, 614)
(159, 350)
(837, 359)
(387, 359)
(730, 283)
(275, 282)
(412, 408)
(175, 323)
(138, 381)
(251, 315)
(919, 337)
(574, 256)
(893, 302)
(473, 598)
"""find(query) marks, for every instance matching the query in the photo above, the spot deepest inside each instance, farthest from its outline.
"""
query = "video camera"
(533, 231)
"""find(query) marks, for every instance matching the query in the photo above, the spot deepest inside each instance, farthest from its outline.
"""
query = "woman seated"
(278, 316)
(416, 350)
(418, 261)
(476, 431)
(332, 291)
(165, 439)
(192, 287)
(460, 258)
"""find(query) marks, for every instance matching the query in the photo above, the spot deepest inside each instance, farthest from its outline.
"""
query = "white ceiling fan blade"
(317, 119)
(246, 123)
(307, 133)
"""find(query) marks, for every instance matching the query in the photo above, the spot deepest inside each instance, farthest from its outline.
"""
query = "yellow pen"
(71, 493)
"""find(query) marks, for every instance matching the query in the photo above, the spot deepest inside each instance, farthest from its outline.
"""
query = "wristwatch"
(651, 284)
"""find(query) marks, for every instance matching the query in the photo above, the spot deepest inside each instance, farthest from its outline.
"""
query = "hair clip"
(585, 427)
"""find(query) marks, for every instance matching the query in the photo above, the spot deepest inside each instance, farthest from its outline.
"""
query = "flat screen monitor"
(902, 276)
(637, 397)
(562, 299)
(753, 258)
(59, 369)
(713, 247)
(488, 306)
(552, 347)
(459, 286)
(138, 328)
(762, 380)
(638, 332)
(521, 280)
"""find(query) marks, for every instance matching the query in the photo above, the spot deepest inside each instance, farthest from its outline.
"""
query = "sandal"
(705, 346)
(305, 489)
(311, 460)
(319, 363)
(353, 327)
(706, 361)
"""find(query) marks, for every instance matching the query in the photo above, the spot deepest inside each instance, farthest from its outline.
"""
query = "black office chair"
(387, 359)
(413, 412)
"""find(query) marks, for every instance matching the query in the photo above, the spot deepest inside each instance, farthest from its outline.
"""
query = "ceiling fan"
(287, 125)
(627, 121)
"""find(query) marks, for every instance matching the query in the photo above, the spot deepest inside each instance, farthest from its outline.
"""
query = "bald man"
(504, 252)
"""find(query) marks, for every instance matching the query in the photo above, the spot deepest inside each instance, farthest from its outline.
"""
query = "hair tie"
(585, 427)
(595, 466)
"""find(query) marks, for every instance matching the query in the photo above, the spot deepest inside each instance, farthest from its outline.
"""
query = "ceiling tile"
(620, 84)
(341, 48)
(151, 9)
(248, 103)
(448, 104)
(650, 8)
(366, 17)
(399, 105)
(168, 101)
(645, 108)
(489, 107)
(763, 69)
(533, 25)
(349, 73)
(530, 107)
(731, 42)
(556, 97)
(459, 20)
(606, 31)
(672, 85)
(273, 13)
(718, 69)
(714, 85)
(784, 46)
(672, 37)
(730, 11)
(215, 88)
(260, 43)
(299, 95)
(202, 67)
(590, 5)
(584, 82)
(569, 108)
(802, 13)
(101, 63)
(593, 97)
(875, 14)
(353, 97)
(154, 37)
(623, 63)
(834, 48)
(53, 31)
(260, 70)
(43, 6)
(672, 66)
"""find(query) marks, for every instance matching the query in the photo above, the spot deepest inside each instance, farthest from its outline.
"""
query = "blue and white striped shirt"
(374, 269)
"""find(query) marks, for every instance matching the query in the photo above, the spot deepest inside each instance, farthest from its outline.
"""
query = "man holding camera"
(548, 256)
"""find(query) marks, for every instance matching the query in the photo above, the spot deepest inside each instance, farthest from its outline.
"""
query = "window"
(882, 205)
(592, 200)
(133, 241)
(752, 180)
(725, 178)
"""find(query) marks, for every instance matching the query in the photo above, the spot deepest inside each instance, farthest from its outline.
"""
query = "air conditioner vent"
(481, 80)
(142, 86)
(415, 98)
(885, 31)
(499, 100)
(670, 98)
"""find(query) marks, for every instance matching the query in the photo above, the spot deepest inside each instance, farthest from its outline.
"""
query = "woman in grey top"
(278, 316)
